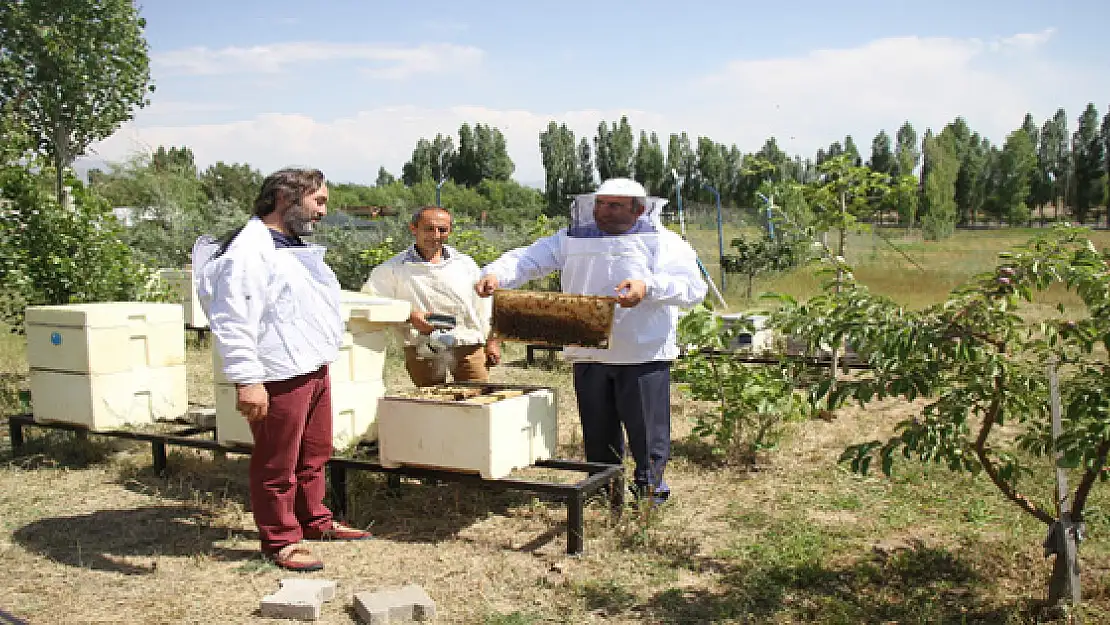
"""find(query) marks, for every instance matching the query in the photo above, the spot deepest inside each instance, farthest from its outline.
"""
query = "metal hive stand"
(598, 476)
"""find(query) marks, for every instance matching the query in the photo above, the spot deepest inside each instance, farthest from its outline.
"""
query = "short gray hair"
(416, 216)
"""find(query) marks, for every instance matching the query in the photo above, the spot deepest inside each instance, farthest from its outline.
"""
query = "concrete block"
(393, 605)
(299, 599)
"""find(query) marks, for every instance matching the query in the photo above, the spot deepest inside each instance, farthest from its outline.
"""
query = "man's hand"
(418, 319)
(487, 285)
(631, 293)
(252, 401)
(493, 353)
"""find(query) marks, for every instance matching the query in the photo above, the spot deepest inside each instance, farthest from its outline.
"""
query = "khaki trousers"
(467, 365)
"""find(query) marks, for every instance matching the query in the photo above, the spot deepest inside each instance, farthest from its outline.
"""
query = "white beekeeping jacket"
(594, 263)
(446, 287)
(274, 313)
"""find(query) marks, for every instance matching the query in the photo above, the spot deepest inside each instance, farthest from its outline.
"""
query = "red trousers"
(292, 443)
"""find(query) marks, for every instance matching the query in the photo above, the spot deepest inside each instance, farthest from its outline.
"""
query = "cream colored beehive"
(490, 439)
(356, 374)
(107, 365)
(180, 282)
(354, 408)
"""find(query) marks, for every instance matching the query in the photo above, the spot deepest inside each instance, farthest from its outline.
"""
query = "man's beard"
(297, 221)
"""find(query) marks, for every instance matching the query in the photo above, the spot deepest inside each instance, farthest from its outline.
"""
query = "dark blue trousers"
(637, 397)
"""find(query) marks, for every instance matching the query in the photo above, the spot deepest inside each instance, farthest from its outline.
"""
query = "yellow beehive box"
(106, 401)
(103, 338)
(369, 313)
(354, 413)
(180, 283)
(487, 435)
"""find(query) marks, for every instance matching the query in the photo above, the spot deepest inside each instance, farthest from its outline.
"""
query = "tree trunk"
(1063, 586)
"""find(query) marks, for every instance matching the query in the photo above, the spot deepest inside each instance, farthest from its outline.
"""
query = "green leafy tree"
(649, 163)
(1088, 158)
(178, 160)
(54, 255)
(1055, 152)
(852, 151)
(977, 366)
(615, 147)
(882, 154)
(682, 159)
(756, 256)
(559, 155)
(236, 183)
(1016, 167)
(941, 169)
(747, 406)
(906, 151)
(585, 167)
(79, 68)
(384, 178)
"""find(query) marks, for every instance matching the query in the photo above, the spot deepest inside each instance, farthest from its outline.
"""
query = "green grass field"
(891, 262)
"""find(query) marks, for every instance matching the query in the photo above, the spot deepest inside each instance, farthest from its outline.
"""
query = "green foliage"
(939, 174)
(1089, 157)
(235, 183)
(761, 255)
(55, 255)
(750, 402)
(979, 366)
(78, 67)
(171, 206)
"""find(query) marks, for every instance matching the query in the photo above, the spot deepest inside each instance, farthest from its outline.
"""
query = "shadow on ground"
(428, 511)
(918, 584)
(119, 541)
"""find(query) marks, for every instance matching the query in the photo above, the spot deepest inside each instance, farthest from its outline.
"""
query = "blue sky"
(349, 86)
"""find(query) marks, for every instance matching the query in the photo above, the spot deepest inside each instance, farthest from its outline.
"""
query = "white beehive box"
(354, 408)
(180, 282)
(106, 365)
(109, 337)
(761, 341)
(490, 439)
(356, 374)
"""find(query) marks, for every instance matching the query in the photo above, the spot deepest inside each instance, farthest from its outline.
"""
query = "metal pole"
(720, 235)
(678, 195)
(438, 185)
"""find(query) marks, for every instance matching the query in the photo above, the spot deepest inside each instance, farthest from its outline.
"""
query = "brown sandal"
(297, 558)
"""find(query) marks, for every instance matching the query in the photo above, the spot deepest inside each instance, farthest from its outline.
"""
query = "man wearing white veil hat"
(616, 244)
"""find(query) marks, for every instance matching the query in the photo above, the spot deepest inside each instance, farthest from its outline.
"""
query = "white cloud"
(381, 61)
(811, 100)
(806, 102)
(352, 148)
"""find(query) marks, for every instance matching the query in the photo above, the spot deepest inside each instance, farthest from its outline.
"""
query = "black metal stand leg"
(15, 434)
(393, 483)
(82, 435)
(338, 477)
(158, 451)
(616, 496)
(576, 529)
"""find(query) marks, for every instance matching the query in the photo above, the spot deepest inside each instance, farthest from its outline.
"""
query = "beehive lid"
(374, 308)
(549, 318)
(105, 314)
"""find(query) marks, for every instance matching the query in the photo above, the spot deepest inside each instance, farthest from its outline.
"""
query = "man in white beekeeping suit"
(436, 279)
(616, 244)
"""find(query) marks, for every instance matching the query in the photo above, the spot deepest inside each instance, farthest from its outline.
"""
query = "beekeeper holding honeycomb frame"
(616, 244)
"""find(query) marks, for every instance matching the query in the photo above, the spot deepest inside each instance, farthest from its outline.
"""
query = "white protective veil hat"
(582, 208)
(621, 187)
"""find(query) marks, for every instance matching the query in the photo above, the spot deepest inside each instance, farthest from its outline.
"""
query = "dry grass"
(88, 535)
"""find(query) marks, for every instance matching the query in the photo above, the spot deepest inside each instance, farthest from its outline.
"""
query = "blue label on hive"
(56, 338)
